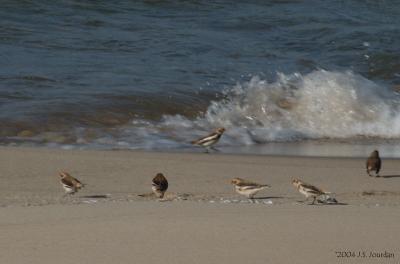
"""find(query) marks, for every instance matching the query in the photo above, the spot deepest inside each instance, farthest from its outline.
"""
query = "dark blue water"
(155, 74)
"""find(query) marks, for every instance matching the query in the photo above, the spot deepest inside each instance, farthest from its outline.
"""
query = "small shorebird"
(70, 184)
(247, 188)
(159, 185)
(374, 163)
(308, 190)
(209, 140)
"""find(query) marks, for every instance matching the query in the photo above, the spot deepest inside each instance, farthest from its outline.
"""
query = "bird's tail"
(80, 185)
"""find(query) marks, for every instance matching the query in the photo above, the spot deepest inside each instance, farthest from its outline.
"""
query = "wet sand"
(204, 220)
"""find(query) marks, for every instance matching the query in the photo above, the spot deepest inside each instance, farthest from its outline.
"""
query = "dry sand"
(205, 221)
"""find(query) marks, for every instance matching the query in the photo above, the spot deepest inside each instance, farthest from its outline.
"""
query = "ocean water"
(297, 77)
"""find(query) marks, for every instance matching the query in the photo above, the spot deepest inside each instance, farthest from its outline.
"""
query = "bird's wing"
(251, 185)
(163, 186)
(378, 165)
(67, 181)
(372, 162)
(368, 162)
(77, 181)
(312, 189)
(212, 136)
(160, 182)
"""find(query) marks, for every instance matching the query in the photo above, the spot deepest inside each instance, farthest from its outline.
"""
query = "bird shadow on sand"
(389, 176)
(330, 204)
(269, 197)
(96, 196)
(322, 203)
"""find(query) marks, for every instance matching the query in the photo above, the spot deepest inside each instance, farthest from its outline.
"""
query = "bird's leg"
(207, 150)
(314, 198)
(215, 149)
(251, 197)
(67, 196)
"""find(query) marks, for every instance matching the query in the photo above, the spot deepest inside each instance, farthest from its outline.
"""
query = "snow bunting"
(308, 190)
(209, 140)
(248, 188)
(159, 185)
(374, 163)
(70, 184)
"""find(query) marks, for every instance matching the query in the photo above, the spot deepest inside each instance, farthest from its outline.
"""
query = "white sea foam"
(321, 104)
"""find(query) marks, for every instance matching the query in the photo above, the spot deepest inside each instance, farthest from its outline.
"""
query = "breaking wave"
(337, 106)
(318, 105)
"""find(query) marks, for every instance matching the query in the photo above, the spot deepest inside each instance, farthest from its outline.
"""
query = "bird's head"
(159, 178)
(63, 174)
(375, 154)
(220, 130)
(296, 182)
(160, 175)
(236, 181)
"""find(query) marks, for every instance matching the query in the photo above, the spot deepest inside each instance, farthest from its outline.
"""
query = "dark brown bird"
(70, 184)
(159, 185)
(374, 163)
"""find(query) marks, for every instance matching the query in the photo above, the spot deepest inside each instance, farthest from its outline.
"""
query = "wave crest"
(321, 104)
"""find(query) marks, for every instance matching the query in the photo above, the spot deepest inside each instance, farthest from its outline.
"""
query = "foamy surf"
(322, 106)
(318, 105)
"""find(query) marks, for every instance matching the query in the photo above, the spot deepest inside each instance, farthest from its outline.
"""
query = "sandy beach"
(204, 220)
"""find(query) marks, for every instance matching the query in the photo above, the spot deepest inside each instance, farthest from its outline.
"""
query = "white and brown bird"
(209, 140)
(248, 188)
(308, 190)
(70, 184)
(159, 185)
(374, 163)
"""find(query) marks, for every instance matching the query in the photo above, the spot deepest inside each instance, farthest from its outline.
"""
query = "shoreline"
(305, 148)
